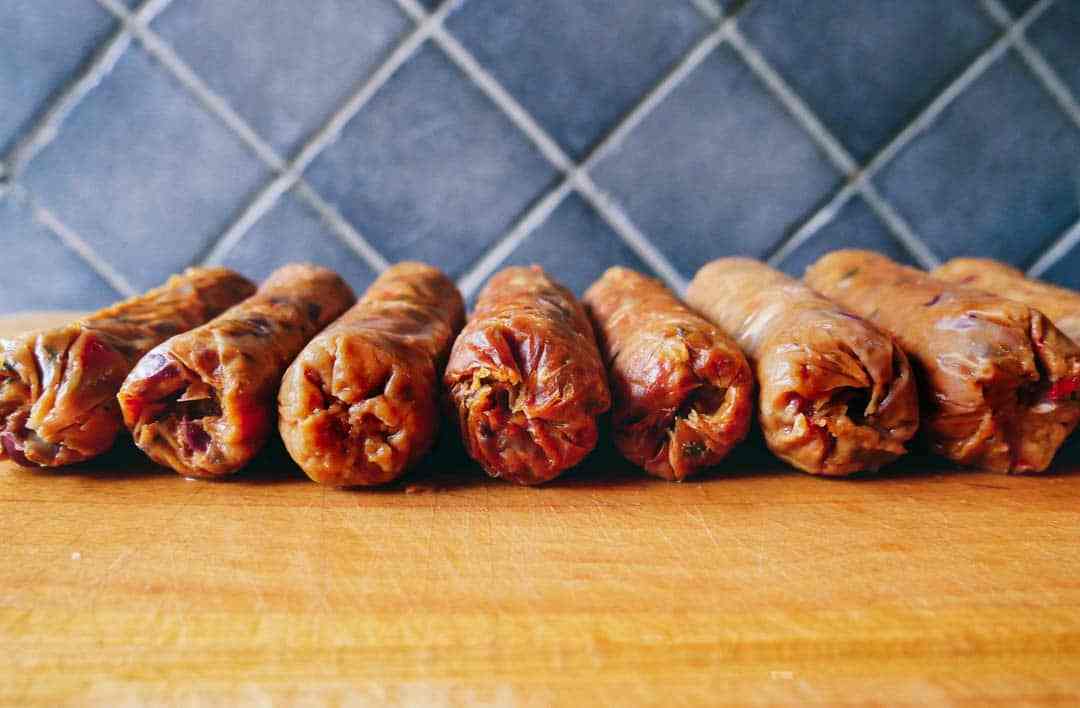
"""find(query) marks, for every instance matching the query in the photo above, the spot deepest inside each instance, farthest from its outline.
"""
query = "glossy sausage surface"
(202, 402)
(525, 379)
(1061, 305)
(836, 395)
(58, 386)
(360, 405)
(999, 380)
(682, 390)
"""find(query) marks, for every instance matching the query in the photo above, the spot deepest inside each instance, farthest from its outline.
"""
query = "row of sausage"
(845, 367)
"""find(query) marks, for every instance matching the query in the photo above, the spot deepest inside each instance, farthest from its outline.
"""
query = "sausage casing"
(682, 390)
(836, 395)
(525, 379)
(202, 402)
(1061, 305)
(361, 402)
(999, 380)
(58, 386)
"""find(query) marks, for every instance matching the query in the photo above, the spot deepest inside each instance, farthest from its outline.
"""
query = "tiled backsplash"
(139, 138)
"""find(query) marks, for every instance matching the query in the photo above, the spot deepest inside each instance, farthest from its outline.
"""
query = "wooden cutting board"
(122, 583)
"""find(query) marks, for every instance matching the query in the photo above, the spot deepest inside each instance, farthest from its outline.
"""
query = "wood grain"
(122, 583)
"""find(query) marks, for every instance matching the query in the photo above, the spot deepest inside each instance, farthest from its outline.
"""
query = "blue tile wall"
(719, 169)
(997, 176)
(855, 226)
(69, 283)
(690, 152)
(42, 46)
(431, 169)
(607, 55)
(575, 246)
(285, 66)
(292, 231)
(143, 173)
(855, 65)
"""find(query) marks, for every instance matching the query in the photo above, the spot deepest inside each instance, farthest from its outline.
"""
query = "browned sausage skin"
(682, 390)
(836, 395)
(202, 402)
(525, 378)
(360, 405)
(58, 386)
(999, 380)
(1061, 305)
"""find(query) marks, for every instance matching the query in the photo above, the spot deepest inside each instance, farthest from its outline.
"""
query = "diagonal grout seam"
(860, 181)
(325, 136)
(709, 9)
(1057, 88)
(576, 177)
(73, 242)
(46, 128)
(1057, 250)
(832, 148)
(218, 107)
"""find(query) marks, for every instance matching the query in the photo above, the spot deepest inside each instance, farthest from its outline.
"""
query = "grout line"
(576, 176)
(1049, 78)
(900, 229)
(967, 77)
(818, 220)
(344, 230)
(1057, 250)
(1035, 60)
(219, 107)
(709, 9)
(267, 197)
(802, 113)
(536, 215)
(1061, 93)
(502, 98)
(47, 126)
(658, 93)
(74, 242)
(861, 181)
(622, 225)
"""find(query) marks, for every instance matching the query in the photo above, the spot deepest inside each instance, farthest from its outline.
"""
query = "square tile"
(578, 65)
(996, 175)
(292, 231)
(575, 246)
(49, 275)
(1057, 35)
(720, 168)
(42, 46)
(143, 173)
(431, 169)
(867, 68)
(284, 66)
(855, 226)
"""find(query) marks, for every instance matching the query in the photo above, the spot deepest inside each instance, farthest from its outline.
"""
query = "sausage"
(836, 395)
(1061, 305)
(525, 380)
(360, 405)
(202, 402)
(58, 386)
(682, 390)
(999, 380)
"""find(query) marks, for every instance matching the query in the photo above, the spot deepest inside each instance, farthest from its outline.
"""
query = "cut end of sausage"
(174, 417)
(509, 443)
(851, 427)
